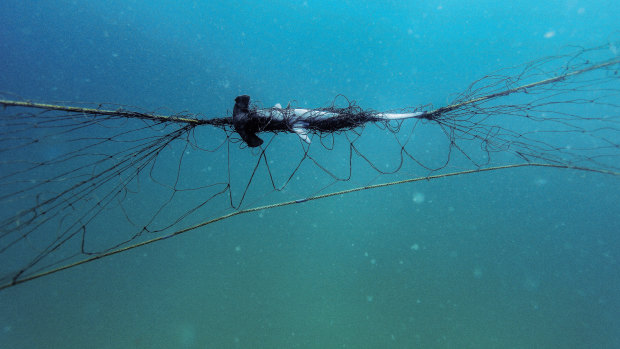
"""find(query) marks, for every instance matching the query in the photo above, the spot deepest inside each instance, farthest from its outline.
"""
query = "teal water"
(524, 258)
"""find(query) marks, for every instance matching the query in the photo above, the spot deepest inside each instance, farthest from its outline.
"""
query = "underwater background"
(524, 258)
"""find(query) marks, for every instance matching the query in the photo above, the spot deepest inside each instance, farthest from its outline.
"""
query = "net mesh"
(78, 184)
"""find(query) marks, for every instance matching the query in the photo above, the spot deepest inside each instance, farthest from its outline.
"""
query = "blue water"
(524, 258)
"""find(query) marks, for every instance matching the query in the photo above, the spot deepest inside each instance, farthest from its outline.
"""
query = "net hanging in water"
(68, 171)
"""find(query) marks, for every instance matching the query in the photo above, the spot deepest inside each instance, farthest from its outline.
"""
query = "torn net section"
(77, 185)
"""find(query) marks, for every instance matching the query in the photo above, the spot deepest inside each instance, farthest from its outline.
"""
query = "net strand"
(17, 281)
(98, 164)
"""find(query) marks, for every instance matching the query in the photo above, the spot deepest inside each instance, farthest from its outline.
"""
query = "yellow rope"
(448, 108)
(287, 203)
(93, 111)
(180, 119)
